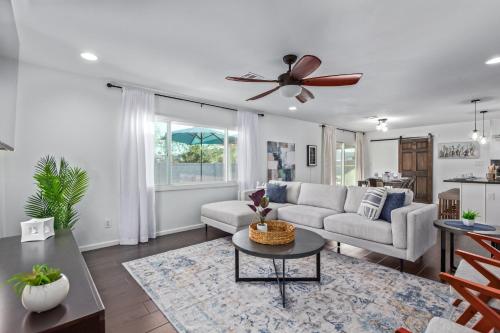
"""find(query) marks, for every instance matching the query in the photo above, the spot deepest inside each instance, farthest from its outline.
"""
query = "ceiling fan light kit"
(291, 83)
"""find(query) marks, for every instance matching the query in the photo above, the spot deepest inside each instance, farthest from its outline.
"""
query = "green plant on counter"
(40, 275)
(59, 190)
(470, 214)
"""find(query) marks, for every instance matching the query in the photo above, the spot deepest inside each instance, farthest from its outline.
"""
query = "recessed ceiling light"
(493, 61)
(292, 108)
(88, 56)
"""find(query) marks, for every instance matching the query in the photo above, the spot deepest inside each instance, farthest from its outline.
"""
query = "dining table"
(396, 183)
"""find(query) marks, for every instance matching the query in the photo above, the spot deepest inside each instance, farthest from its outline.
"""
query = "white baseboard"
(96, 246)
(180, 229)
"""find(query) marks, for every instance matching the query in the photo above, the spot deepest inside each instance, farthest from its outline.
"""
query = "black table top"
(307, 243)
(472, 181)
(60, 251)
(441, 225)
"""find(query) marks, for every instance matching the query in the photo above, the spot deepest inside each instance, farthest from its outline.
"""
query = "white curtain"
(137, 195)
(359, 156)
(329, 146)
(248, 150)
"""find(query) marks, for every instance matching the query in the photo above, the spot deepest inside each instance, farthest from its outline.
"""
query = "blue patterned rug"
(194, 287)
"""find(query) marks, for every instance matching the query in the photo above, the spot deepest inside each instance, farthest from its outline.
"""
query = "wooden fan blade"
(304, 95)
(305, 66)
(333, 80)
(242, 79)
(263, 94)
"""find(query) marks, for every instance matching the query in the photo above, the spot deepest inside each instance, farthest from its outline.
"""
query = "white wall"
(383, 156)
(302, 133)
(78, 117)
(71, 116)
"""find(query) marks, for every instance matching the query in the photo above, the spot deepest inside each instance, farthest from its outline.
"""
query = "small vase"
(262, 227)
(45, 297)
(468, 222)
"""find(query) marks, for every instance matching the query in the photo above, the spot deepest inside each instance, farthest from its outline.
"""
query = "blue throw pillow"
(393, 201)
(276, 193)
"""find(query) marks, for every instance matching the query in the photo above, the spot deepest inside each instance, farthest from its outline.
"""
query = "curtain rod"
(344, 130)
(110, 85)
(402, 138)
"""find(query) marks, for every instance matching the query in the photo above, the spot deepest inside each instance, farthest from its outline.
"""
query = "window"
(345, 164)
(192, 154)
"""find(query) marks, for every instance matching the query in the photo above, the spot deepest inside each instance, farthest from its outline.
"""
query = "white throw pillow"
(373, 202)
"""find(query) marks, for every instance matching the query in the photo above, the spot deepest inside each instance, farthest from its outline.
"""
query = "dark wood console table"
(81, 311)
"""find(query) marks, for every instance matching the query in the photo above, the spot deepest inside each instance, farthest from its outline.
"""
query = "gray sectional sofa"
(331, 211)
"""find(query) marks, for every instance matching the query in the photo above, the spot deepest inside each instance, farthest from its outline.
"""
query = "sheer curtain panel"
(328, 156)
(359, 157)
(248, 150)
(137, 193)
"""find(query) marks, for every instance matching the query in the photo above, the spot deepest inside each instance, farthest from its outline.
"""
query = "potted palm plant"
(41, 289)
(469, 217)
(260, 207)
(59, 189)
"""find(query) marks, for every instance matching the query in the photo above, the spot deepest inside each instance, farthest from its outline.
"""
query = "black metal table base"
(280, 279)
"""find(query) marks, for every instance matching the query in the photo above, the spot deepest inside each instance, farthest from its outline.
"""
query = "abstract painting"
(280, 161)
(463, 150)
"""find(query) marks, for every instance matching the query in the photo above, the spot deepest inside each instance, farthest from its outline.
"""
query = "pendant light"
(475, 133)
(483, 139)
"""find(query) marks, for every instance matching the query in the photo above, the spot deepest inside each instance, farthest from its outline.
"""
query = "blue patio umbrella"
(200, 136)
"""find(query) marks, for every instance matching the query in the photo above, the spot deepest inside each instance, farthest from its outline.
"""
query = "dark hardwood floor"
(129, 309)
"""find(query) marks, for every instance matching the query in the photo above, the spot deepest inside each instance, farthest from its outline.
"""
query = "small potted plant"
(260, 207)
(41, 289)
(469, 217)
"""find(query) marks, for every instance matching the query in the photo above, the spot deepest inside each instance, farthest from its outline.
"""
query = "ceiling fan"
(291, 83)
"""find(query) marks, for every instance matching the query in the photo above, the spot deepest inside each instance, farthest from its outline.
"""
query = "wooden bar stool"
(449, 204)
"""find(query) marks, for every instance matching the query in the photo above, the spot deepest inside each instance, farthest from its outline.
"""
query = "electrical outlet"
(107, 223)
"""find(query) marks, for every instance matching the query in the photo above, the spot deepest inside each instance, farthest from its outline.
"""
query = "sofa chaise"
(331, 211)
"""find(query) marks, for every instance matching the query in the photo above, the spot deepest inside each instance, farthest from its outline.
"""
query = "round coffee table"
(307, 243)
(452, 230)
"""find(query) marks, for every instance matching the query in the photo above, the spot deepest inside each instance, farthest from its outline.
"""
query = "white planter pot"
(468, 223)
(262, 227)
(45, 297)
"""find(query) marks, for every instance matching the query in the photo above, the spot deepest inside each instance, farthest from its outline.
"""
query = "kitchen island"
(481, 195)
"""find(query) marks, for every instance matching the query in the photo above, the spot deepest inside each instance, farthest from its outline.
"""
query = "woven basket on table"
(278, 233)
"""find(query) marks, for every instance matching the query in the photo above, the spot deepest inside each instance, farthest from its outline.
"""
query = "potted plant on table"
(260, 207)
(41, 289)
(469, 217)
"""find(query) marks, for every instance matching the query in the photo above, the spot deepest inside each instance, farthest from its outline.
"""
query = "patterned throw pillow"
(276, 193)
(372, 202)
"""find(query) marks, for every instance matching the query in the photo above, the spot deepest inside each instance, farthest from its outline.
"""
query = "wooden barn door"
(415, 160)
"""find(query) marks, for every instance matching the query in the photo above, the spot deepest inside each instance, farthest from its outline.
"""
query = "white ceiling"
(422, 60)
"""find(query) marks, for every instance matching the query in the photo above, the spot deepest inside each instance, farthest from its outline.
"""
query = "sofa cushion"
(292, 190)
(354, 225)
(408, 194)
(324, 196)
(373, 202)
(305, 215)
(235, 212)
(353, 199)
(393, 201)
(276, 193)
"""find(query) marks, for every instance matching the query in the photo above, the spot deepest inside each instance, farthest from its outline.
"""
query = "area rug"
(194, 287)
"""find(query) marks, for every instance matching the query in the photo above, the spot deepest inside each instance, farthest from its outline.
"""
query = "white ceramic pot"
(467, 222)
(45, 297)
(262, 227)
